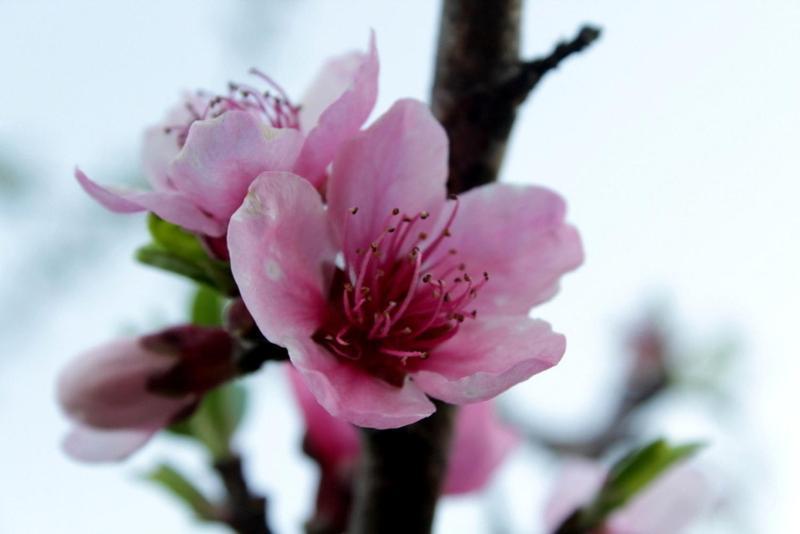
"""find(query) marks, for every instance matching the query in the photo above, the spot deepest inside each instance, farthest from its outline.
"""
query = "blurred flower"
(386, 283)
(201, 159)
(480, 444)
(120, 393)
(667, 506)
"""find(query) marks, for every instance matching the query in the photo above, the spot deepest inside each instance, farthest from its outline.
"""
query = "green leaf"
(156, 256)
(174, 238)
(178, 485)
(176, 250)
(630, 475)
(216, 419)
(207, 307)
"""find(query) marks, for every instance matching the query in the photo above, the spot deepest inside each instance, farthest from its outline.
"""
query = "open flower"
(121, 393)
(667, 506)
(391, 292)
(201, 159)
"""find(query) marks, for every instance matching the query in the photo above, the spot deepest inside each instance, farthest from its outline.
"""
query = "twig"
(244, 511)
(530, 73)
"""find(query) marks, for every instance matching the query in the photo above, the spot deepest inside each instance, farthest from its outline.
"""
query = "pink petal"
(480, 444)
(172, 206)
(488, 356)
(338, 102)
(398, 162)
(159, 148)
(282, 255)
(222, 156)
(350, 394)
(576, 486)
(668, 506)
(88, 444)
(107, 387)
(518, 236)
(332, 441)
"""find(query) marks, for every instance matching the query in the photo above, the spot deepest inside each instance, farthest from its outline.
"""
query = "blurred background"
(674, 140)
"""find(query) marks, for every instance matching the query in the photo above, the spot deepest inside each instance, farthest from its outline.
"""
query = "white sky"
(674, 140)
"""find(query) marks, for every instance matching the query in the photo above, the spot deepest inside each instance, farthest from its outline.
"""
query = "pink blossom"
(480, 443)
(201, 159)
(667, 506)
(392, 293)
(120, 393)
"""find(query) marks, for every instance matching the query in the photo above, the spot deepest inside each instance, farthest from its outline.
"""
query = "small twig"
(243, 511)
(530, 73)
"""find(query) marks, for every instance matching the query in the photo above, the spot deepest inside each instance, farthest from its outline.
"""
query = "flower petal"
(88, 444)
(336, 105)
(330, 441)
(282, 255)
(480, 444)
(107, 387)
(488, 356)
(348, 393)
(172, 206)
(223, 155)
(398, 162)
(518, 236)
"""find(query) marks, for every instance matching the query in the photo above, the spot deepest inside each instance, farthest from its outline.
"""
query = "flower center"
(399, 298)
(272, 104)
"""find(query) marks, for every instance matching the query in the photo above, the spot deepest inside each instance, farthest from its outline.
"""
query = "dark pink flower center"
(272, 104)
(399, 298)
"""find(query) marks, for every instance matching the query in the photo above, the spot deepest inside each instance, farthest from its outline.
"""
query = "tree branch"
(400, 475)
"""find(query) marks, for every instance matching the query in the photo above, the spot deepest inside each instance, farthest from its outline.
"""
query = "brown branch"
(243, 511)
(400, 475)
(478, 49)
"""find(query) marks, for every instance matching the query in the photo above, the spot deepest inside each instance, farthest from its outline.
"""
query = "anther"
(452, 251)
(354, 210)
(467, 277)
(473, 314)
(395, 211)
(446, 232)
(461, 267)
(427, 278)
(423, 236)
(424, 215)
(485, 276)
